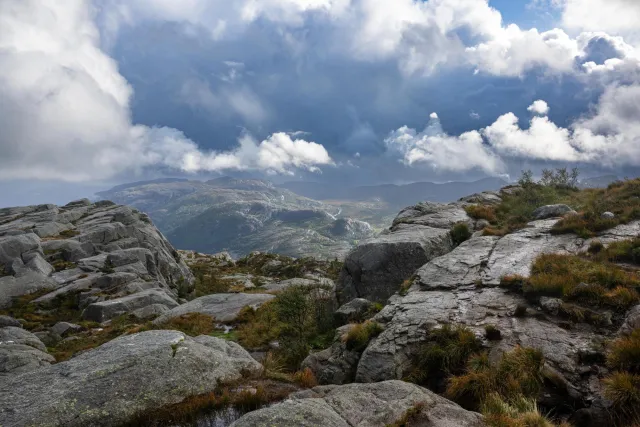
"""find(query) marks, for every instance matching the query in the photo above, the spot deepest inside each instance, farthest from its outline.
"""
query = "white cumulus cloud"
(539, 107)
(66, 115)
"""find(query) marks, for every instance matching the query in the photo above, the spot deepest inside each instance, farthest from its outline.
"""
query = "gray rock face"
(377, 267)
(462, 266)
(631, 321)
(222, 307)
(355, 310)
(64, 328)
(150, 311)
(9, 321)
(336, 364)
(101, 238)
(552, 211)
(110, 385)
(21, 351)
(361, 405)
(484, 198)
(107, 310)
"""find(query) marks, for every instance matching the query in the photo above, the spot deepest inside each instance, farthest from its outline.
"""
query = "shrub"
(595, 247)
(444, 353)
(575, 277)
(192, 324)
(305, 378)
(481, 212)
(623, 251)
(624, 353)
(623, 390)
(460, 233)
(517, 412)
(518, 374)
(360, 334)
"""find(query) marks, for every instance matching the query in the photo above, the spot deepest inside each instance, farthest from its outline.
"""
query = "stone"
(150, 312)
(356, 310)
(9, 321)
(71, 250)
(514, 253)
(107, 310)
(12, 248)
(112, 384)
(460, 267)
(222, 307)
(552, 211)
(631, 321)
(284, 284)
(607, 215)
(377, 267)
(363, 405)
(336, 364)
(484, 198)
(65, 328)
(551, 305)
(24, 284)
(20, 358)
(16, 335)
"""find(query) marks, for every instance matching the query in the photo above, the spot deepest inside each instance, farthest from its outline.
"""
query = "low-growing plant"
(192, 324)
(459, 233)
(444, 353)
(305, 378)
(485, 212)
(516, 412)
(623, 390)
(518, 374)
(410, 415)
(624, 353)
(361, 333)
(595, 247)
(623, 251)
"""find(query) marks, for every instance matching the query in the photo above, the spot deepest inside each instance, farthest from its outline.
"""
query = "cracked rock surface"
(110, 385)
(360, 405)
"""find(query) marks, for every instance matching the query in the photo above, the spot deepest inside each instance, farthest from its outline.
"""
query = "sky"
(95, 93)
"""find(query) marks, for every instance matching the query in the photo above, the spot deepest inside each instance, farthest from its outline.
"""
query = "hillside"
(240, 216)
(517, 307)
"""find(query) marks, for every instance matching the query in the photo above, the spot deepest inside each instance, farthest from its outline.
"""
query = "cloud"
(66, 109)
(539, 107)
(442, 152)
(433, 115)
(618, 17)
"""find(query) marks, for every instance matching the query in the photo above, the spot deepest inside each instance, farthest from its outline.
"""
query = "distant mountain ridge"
(244, 215)
(395, 195)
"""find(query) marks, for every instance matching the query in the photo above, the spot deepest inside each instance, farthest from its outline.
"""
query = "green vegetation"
(622, 387)
(360, 334)
(559, 187)
(460, 233)
(517, 412)
(192, 324)
(517, 375)
(410, 415)
(299, 318)
(60, 265)
(444, 353)
(623, 251)
(581, 279)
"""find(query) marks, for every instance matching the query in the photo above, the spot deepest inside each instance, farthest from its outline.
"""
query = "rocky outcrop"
(371, 405)
(222, 307)
(552, 211)
(356, 310)
(112, 384)
(21, 351)
(95, 251)
(107, 310)
(336, 364)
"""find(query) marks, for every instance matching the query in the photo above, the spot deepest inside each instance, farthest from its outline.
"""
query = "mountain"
(244, 215)
(397, 196)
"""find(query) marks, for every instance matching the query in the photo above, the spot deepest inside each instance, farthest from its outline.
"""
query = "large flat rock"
(21, 351)
(107, 310)
(110, 385)
(222, 307)
(362, 405)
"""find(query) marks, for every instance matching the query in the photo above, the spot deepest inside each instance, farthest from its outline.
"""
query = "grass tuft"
(361, 334)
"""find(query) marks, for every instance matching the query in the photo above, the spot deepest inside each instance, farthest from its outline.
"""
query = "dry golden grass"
(192, 324)
(360, 334)
(624, 353)
(482, 212)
